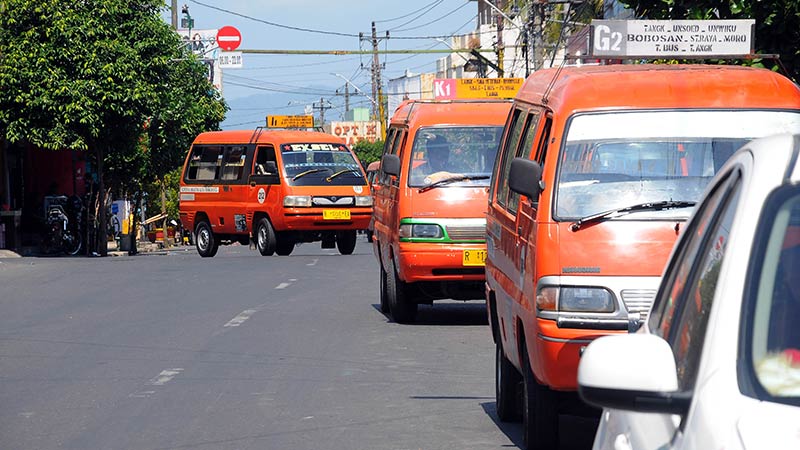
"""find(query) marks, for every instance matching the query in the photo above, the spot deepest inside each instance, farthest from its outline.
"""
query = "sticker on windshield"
(358, 189)
(262, 195)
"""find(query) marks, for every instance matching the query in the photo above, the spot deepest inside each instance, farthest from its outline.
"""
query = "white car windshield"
(619, 159)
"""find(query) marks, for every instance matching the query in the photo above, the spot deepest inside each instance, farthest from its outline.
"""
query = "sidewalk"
(141, 247)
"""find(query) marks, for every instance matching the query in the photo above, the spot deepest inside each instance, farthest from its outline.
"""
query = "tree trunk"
(102, 223)
(134, 231)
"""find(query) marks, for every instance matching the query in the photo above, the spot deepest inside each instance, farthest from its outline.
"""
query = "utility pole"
(321, 106)
(500, 47)
(174, 14)
(377, 88)
(346, 98)
(538, 11)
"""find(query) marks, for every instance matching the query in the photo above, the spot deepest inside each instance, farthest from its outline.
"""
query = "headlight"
(297, 201)
(575, 299)
(581, 299)
(421, 230)
(363, 200)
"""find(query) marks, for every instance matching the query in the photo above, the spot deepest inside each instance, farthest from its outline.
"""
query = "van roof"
(660, 86)
(416, 113)
(265, 136)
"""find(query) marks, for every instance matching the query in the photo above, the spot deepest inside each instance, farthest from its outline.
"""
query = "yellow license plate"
(474, 258)
(336, 214)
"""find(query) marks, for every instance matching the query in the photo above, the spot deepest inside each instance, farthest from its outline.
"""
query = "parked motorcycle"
(62, 218)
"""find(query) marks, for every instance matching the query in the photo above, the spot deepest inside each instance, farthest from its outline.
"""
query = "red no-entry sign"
(228, 38)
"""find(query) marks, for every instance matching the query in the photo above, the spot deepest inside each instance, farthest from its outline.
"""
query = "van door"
(264, 193)
(536, 142)
(387, 220)
(503, 245)
(233, 191)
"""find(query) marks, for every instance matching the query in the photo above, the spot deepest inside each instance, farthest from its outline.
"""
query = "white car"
(717, 364)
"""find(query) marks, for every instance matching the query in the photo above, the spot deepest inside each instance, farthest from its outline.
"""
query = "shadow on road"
(575, 432)
(444, 313)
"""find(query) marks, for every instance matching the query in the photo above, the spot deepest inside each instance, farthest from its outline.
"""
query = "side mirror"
(634, 372)
(525, 178)
(390, 164)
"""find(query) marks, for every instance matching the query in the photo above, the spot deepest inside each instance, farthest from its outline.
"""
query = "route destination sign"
(476, 88)
(290, 121)
(672, 38)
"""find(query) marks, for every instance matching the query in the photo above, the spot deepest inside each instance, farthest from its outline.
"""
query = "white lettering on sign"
(672, 38)
(201, 189)
(353, 132)
(231, 60)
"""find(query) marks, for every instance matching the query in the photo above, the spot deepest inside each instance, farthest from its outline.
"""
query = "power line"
(288, 27)
(409, 14)
(427, 10)
(435, 20)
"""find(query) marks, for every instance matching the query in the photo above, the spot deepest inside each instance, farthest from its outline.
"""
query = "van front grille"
(638, 300)
(466, 232)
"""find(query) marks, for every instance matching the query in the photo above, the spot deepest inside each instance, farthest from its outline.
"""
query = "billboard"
(354, 131)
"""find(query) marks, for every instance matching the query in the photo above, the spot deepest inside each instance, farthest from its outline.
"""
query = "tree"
(777, 22)
(368, 152)
(94, 75)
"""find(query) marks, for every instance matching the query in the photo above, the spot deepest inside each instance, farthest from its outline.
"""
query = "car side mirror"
(608, 377)
(525, 178)
(390, 164)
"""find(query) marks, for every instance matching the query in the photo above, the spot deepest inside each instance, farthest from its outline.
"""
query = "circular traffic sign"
(228, 38)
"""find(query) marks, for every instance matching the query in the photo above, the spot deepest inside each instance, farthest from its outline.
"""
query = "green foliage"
(368, 152)
(153, 199)
(94, 75)
(777, 23)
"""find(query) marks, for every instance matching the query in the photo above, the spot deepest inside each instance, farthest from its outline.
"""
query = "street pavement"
(168, 350)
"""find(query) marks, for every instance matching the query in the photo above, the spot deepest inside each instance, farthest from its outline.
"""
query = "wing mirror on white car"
(634, 372)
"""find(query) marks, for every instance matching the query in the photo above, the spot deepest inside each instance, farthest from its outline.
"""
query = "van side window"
(263, 155)
(524, 152)
(541, 152)
(233, 167)
(509, 152)
(204, 163)
(387, 146)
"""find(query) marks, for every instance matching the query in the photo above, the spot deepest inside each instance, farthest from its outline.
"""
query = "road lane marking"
(164, 377)
(283, 285)
(313, 263)
(238, 320)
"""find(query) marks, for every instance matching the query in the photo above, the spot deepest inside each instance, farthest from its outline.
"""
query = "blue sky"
(285, 84)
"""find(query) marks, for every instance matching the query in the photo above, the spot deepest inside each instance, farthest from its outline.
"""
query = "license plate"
(474, 258)
(336, 214)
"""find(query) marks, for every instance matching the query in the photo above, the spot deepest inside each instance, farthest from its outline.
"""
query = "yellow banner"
(488, 87)
(290, 121)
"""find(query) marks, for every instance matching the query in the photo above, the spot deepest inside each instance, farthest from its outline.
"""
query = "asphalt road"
(174, 351)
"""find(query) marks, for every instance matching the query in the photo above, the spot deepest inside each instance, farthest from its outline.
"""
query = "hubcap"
(202, 239)
(262, 237)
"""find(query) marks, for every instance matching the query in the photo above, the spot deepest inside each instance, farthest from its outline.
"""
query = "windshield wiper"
(652, 206)
(302, 174)
(340, 173)
(453, 180)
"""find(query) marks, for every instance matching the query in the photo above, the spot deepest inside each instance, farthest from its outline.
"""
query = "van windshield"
(465, 154)
(614, 160)
(315, 164)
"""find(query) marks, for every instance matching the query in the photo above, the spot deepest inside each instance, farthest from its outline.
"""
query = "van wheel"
(207, 243)
(403, 309)
(539, 411)
(346, 241)
(284, 246)
(384, 296)
(506, 381)
(265, 237)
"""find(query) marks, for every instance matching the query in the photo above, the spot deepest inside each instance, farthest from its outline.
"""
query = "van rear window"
(614, 160)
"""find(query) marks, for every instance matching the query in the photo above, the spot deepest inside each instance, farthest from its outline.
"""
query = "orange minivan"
(277, 187)
(430, 202)
(598, 169)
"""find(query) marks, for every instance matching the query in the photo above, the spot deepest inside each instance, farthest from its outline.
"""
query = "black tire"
(384, 296)
(346, 241)
(369, 236)
(539, 412)
(244, 240)
(72, 242)
(507, 380)
(207, 244)
(285, 245)
(402, 308)
(265, 237)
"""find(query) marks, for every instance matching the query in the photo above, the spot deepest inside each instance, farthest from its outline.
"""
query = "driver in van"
(437, 151)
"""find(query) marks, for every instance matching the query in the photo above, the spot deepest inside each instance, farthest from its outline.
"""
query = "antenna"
(555, 50)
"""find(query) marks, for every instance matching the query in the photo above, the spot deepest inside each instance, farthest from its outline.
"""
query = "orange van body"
(581, 142)
(277, 187)
(429, 219)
